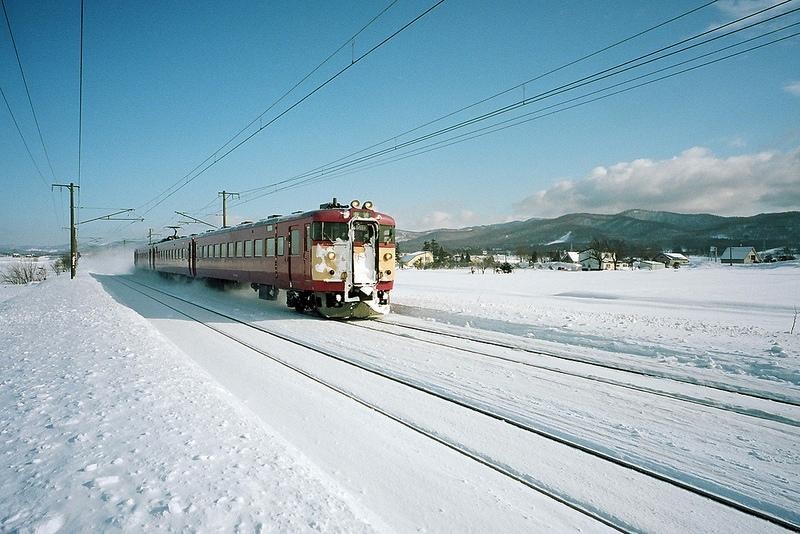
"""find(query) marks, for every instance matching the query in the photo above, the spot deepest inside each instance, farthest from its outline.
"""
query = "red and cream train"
(338, 260)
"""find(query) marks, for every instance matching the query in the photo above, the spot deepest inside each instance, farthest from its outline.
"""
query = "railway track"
(380, 326)
(607, 519)
(728, 388)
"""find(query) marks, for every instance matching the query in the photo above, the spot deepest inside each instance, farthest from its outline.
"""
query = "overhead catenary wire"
(22, 137)
(27, 90)
(80, 106)
(333, 167)
(279, 99)
(519, 85)
(582, 58)
(354, 62)
(539, 113)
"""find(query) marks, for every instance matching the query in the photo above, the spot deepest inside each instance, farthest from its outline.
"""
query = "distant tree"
(441, 258)
(598, 247)
(487, 263)
(618, 248)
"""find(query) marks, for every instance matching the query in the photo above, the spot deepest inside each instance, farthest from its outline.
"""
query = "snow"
(105, 424)
(116, 412)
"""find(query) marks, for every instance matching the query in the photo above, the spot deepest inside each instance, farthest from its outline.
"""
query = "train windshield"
(363, 232)
(386, 234)
(329, 231)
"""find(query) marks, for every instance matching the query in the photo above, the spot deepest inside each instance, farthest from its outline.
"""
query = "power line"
(284, 95)
(297, 103)
(537, 114)
(337, 165)
(80, 100)
(24, 142)
(510, 89)
(27, 91)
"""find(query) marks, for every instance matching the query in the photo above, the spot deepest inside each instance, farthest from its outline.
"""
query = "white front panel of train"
(364, 253)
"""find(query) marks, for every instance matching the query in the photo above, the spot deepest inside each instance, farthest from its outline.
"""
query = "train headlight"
(388, 256)
(355, 204)
(331, 255)
(368, 205)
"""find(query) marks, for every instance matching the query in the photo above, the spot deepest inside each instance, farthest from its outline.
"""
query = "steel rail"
(641, 372)
(503, 470)
(725, 501)
(756, 414)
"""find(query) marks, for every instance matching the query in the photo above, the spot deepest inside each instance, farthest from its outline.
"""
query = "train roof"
(331, 214)
(330, 211)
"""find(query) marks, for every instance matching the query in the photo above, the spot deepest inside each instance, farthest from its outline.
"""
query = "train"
(338, 260)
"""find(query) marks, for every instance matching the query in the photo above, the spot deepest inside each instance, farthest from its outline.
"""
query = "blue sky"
(167, 83)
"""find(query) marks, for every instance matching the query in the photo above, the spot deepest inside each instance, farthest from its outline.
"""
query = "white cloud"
(793, 88)
(736, 9)
(448, 219)
(695, 181)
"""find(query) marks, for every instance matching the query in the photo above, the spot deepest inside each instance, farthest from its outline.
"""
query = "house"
(591, 260)
(646, 265)
(739, 255)
(672, 259)
(416, 259)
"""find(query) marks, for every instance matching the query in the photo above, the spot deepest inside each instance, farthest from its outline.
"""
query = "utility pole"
(225, 196)
(73, 233)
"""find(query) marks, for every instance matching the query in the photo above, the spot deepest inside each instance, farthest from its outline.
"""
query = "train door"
(153, 258)
(192, 258)
(297, 256)
(365, 252)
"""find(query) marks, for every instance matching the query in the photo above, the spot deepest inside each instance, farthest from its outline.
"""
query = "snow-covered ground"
(118, 413)
(733, 319)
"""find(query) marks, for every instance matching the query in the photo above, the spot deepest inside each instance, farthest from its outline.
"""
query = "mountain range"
(637, 228)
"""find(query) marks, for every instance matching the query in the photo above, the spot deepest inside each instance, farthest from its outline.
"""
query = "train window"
(239, 249)
(259, 247)
(269, 228)
(329, 231)
(363, 232)
(280, 246)
(248, 249)
(216, 250)
(295, 242)
(270, 246)
(386, 234)
(309, 243)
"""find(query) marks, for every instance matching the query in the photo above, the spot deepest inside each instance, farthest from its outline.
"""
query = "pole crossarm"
(110, 216)
(195, 219)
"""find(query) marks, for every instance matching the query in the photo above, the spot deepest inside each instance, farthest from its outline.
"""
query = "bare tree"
(23, 273)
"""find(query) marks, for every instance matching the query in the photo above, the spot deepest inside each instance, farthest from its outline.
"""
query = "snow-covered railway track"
(633, 474)
(708, 384)
(757, 406)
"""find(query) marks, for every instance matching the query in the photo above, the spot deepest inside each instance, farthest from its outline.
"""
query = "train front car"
(352, 260)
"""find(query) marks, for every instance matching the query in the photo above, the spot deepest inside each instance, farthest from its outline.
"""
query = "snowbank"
(106, 424)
